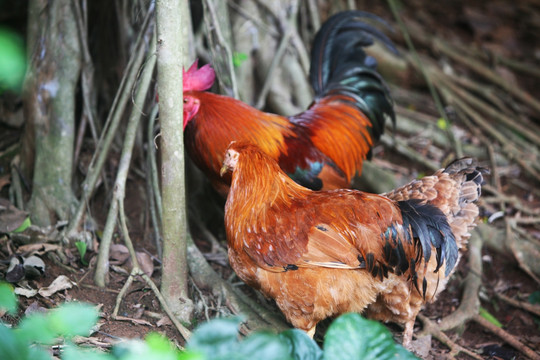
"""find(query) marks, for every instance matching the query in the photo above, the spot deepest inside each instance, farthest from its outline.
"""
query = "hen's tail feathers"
(469, 179)
(339, 65)
(445, 231)
(430, 227)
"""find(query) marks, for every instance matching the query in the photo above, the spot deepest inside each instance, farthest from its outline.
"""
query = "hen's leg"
(408, 333)
(311, 331)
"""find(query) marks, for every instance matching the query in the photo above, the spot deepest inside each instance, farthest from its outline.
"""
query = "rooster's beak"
(223, 170)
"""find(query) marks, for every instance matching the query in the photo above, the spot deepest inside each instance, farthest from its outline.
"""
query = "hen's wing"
(337, 229)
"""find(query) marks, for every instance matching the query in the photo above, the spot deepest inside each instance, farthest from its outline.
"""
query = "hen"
(322, 147)
(323, 253)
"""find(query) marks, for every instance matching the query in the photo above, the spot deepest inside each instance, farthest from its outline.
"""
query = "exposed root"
(507, 337)
(434, 330)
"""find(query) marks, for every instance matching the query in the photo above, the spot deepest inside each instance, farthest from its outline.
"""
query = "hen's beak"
(223, 170)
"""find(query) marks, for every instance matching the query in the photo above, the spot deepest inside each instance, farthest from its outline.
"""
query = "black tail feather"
(340, 65)
(430, 227)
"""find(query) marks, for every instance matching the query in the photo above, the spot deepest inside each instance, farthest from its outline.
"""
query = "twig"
(279, 55)
(152, 187)
(513, 201)
(508, 338)
(401, 147)
(470, 303)
(15, 190)
(509, 148)
(111, 125)
(421, 67)
(136, 271)
(487, 73)
(511, 242)
(214, 26)
(314, 14)
(87, 74)
(432, 328)
(529, 133)
(535, 309)
(102, 264)
(254, 19)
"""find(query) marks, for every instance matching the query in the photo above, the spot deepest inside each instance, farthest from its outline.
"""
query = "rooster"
(322, 147)
(323, 253)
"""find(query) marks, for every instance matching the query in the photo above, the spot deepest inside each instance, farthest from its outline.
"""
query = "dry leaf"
(134, 321)
(33, 266)
(60, 283)
(119, 254)
(164, 321)
(10, 217)
(38, 249)
(146, 263)
(26, 292)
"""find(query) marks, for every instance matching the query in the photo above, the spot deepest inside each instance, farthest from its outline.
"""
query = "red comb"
(198, 79)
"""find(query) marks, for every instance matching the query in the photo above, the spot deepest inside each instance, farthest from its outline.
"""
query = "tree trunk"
(50, 108)
(173, 27)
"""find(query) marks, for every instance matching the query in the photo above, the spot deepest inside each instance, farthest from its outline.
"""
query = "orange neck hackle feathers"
(274, 189)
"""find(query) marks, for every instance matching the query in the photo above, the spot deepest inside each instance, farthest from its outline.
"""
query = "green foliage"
(219, 339)
(443, 124)
(352, 337)
(348, 337)
(300, 345)
(492, 319)
(534, 298)
(81, 247)
(8, 301)
(25, 225)
(239, 58)
(12, 60)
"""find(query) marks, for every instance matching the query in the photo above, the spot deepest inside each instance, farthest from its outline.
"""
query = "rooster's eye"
(185, 100)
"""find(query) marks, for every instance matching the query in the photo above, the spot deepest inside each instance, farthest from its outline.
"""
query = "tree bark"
(50, 108)
(173, 27)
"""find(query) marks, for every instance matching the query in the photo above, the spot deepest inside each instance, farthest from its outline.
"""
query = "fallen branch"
(136, 271)
(508, 338)
(429, 327)
(535, 309)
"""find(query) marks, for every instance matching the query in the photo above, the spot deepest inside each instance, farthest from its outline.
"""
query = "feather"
(430, 227)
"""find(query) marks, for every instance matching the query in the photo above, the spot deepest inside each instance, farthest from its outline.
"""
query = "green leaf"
(219, 340)
(155, 347)
(70, 319)
(261, 346)
(10, 346)
(301, 346)
(25, 225)
(239, 58)
(492, 319)
(443, 124)
(73, 352)
(12, 60)
(158, 342)
(190, 355)
(216, 337)
(35, 328)
(81, 247)
(8, 300)
(352, 337)
(534, 298)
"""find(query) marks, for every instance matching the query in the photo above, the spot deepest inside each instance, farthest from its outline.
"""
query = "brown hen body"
(321, 254)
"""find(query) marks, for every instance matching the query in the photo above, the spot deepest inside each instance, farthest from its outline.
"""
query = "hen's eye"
(185, 100)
